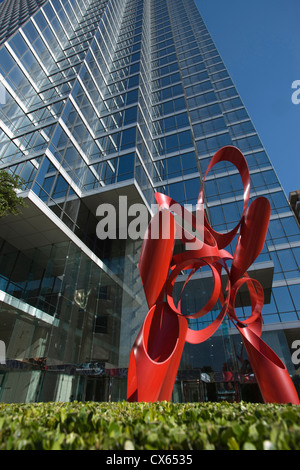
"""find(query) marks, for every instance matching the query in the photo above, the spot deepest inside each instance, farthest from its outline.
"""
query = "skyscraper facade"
(106, 101)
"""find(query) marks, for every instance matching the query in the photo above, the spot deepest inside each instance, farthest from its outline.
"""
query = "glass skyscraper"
(103, 99)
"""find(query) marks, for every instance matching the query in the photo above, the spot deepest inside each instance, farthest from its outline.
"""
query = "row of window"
(170, 123)
(167, 93)
(167, 80)
(174, 142)
(228, 215)
(255, 159)
(286, 262)
(183, 192)
(231, 185)
(177, 166)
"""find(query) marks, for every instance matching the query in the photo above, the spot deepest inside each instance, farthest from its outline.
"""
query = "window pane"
(283, 299)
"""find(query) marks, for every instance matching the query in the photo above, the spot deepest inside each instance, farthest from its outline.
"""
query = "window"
(174, 142)
(248, 143)
(176, 192)
(216, 216)
(188, 161)
(101, 324)
(287, 260)
(61, 187)
(125, 167)
(192, 188)
(290, 226)
(6, 61)
(283, 299)
(242, 128)
(276, 229)
(18, 44)
(295, 293)
(174, 167)
(232, 213)
(212, 144)
(130, 115)
(208, 127)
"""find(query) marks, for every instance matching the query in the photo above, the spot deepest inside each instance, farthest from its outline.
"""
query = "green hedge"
(143, 426)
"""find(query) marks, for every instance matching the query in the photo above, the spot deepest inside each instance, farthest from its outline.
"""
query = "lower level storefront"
(23, 382)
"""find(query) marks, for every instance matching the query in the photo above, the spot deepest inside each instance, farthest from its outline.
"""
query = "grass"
(144, 426)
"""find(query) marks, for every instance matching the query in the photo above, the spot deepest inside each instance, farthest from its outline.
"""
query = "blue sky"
(259, 43)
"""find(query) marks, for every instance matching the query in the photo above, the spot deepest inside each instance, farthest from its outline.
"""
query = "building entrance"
(193, 391)
(97, 389)
(189, 391)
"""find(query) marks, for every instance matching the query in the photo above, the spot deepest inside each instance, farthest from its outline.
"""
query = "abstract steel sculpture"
(156, 353)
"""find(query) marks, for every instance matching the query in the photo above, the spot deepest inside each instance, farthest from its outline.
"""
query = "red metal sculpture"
(156, 353)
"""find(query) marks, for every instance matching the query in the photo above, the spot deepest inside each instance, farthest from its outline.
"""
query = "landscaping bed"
(144, 426)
